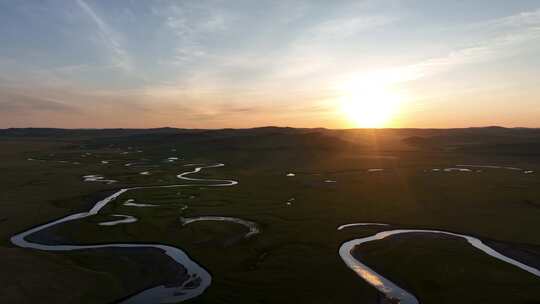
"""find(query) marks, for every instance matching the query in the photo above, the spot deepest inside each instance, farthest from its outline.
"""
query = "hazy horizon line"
(273, 126)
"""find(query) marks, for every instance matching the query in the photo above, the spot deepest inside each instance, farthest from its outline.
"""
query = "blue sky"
(211, 64)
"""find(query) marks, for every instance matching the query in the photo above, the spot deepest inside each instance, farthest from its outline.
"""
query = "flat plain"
(298, 186)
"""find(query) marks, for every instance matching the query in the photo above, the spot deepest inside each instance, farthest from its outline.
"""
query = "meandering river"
(197, 278)
(389, 289)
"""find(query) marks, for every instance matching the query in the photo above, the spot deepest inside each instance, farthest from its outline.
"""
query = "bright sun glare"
(370, 107)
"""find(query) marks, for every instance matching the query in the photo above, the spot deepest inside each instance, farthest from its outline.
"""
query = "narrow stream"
(389, 289)
(251, 226)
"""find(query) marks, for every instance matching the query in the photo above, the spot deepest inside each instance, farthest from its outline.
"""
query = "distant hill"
(519, 141)
(493, 139)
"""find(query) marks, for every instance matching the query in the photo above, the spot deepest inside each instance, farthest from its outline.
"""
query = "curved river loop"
(389, 289)
(197, 278)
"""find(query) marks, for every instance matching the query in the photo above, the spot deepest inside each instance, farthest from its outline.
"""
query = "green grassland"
(295, 258)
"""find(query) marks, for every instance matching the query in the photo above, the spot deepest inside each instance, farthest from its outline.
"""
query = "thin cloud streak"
(15, 103)
(343, 28)
(522, 28)
(121, 57)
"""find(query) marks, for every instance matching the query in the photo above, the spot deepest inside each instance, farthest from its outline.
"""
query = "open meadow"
(272, 237)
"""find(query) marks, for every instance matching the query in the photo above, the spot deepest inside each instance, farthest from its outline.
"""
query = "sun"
(370, 107)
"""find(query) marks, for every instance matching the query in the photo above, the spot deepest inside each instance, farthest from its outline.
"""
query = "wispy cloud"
(346, 27)
(121, 57)
(528, 18)
(513, 35)
(16, 103)
(191, 24)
